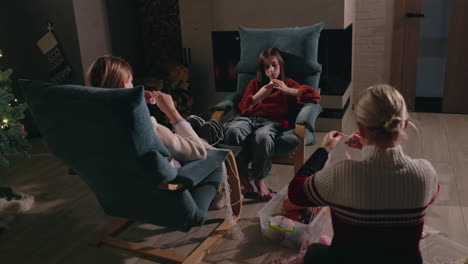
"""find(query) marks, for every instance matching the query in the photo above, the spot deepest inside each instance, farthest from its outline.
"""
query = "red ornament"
(285, 123)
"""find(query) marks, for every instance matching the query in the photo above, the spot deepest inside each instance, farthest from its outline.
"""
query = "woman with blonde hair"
(377, 203)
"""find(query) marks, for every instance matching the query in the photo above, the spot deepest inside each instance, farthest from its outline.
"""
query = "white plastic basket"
(320, 224)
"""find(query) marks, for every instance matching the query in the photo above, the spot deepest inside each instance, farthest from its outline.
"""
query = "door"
(428, 59)
(455, 98)
(407, 19)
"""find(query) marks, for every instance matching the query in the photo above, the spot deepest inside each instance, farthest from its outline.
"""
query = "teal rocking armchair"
(298, 47)
(106, 136)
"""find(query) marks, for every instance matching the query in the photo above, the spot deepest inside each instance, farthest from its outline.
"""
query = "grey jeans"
(256, 135)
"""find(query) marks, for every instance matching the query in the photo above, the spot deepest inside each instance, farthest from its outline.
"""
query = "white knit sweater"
(377, 204)
(386, 187)
(184, 144)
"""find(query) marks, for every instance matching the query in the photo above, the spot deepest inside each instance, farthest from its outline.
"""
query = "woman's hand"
(164, 101)
(331, 139)
(280, 85)
(166, 105)
(354, 141)
(263, 92)
(267, 88)
(149, 97)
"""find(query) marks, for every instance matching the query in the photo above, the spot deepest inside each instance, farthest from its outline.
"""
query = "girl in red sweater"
(264, 108)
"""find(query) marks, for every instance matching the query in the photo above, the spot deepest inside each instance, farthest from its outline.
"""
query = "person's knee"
(264, 141)
(234, 136)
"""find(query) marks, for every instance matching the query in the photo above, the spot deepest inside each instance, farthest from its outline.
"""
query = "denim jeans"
(256, 135)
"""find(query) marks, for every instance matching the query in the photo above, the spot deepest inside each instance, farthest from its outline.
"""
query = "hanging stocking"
(49, 46)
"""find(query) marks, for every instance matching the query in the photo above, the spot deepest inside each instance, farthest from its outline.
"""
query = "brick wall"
(372, 44)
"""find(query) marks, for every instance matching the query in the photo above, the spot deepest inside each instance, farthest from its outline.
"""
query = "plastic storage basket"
(299, 233)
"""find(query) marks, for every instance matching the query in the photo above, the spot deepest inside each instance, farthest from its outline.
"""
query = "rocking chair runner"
(298, 47)
(107, 137)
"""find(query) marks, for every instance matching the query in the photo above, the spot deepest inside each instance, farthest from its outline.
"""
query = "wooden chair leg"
(109, 239)
(234, 183)
(299, 154)
(196, 256)
(118, 226)
(145, 250)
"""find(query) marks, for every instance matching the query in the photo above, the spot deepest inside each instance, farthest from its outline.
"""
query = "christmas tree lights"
(12, 133)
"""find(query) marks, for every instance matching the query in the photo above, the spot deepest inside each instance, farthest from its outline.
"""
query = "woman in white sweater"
(184, 144)
(378, 204)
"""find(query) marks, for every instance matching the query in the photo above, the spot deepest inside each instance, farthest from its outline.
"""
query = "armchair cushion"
(192, 173)
(294, 43)
(286, 143)
(227, 103)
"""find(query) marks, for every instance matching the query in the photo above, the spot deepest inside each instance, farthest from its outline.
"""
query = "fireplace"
(226, 55)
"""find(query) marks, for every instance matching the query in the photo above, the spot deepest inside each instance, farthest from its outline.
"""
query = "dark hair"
(108, 72)
(264, 54)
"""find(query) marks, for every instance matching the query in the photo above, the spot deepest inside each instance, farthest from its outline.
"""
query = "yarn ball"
(294, 215)
(324, 239)
(280, 222)
(290, 206)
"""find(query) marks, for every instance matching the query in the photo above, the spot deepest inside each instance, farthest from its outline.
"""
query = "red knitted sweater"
(275, 106)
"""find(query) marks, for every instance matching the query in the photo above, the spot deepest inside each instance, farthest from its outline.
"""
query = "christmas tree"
(12, 141)
(12, 134)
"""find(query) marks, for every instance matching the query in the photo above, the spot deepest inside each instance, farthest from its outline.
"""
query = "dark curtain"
(161, 34)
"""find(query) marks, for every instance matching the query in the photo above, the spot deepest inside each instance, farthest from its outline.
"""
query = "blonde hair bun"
(393, 124)
(382, 110)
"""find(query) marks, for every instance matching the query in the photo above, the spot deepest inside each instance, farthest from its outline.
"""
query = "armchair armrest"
(194, 172)
(170, 186)
(227, 103)
(224, 105)
(217, 115)
(307, 117)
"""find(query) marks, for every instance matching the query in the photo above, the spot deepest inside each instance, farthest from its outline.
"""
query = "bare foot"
(248, 188)
(263, 191)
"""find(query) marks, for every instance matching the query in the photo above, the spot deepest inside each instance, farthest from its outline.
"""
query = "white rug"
(10, 209)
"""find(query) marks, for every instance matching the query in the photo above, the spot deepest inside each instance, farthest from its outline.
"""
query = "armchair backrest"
(106, 135)
(298, 47)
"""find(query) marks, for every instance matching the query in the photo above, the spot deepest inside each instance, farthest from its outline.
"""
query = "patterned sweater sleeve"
(184, 144)
(298, 188)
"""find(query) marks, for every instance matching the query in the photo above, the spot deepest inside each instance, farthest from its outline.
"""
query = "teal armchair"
(298, 48)
(106, 136)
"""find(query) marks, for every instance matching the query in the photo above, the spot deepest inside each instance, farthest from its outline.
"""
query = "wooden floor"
(66, 215)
